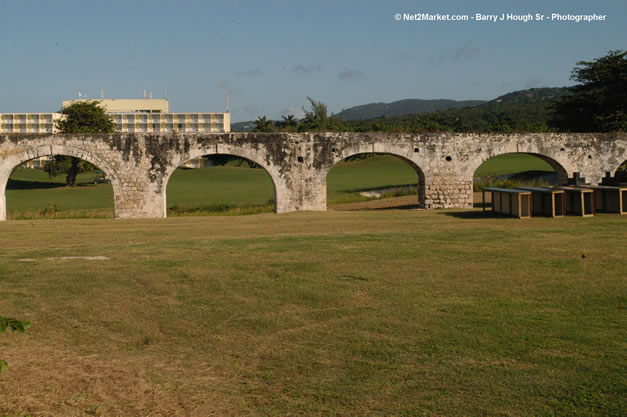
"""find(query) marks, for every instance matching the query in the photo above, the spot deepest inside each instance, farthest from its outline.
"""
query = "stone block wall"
(140, 165)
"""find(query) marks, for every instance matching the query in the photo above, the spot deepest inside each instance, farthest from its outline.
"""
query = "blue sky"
(272, 56)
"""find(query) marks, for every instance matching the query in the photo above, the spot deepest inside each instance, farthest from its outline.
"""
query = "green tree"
(263, 125)
(317, 116)
(80, 117)
(289, 121)
(11, 324)
(599, 102)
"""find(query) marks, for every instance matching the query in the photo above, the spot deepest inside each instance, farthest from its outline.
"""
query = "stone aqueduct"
(139, 165)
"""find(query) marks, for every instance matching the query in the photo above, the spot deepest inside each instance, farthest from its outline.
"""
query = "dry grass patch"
(393, 312)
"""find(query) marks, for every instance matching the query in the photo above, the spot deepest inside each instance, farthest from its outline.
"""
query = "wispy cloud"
(405, 57)
(253, 73)
(247, 112)
(297, 113)
(306, 69)
(466, 52)
(349, 74)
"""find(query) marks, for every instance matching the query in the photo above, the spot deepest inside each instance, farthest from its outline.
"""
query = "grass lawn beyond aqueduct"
(223, 189)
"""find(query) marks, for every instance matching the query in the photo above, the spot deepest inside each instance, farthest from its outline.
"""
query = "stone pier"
(140, 165)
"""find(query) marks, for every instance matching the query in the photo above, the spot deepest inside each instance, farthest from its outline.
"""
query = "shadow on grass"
(401, 207)
(371, 206)
(31, 185)
(474, 214)
(367, 189)
(38, 185)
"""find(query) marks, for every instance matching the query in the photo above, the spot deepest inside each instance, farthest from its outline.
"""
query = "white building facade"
(129, 116)
(28, 122)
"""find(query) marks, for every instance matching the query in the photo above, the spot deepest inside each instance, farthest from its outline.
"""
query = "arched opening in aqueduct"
(220, 184)
(621, 172)
(509, 170)
(375, 180)
(30, 192)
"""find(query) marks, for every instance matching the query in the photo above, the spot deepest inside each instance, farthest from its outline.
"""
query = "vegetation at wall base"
(621, 173)
(10, 323)
(509, 183)
(221, 209)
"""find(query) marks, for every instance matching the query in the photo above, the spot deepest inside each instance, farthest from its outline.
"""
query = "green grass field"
(30, 191)
(223, 189)
(347, 179)
(512, 163)
(404, 313)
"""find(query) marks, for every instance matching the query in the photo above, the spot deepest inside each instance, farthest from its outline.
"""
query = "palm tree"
(318, 115)
(263, 125)
(290, 120)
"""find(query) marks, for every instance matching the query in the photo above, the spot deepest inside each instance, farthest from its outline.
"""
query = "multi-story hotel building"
(142, 115)
(129, 116)
(28, 122)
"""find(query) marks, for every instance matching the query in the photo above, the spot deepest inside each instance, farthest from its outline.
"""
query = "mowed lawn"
(512, 163)
(404, 313)
(30, 191)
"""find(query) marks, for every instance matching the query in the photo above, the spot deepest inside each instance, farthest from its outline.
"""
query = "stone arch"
(624, 162)
(561, 167)
(7, 166)
(272, 172)
(620, 176)
(400, 153)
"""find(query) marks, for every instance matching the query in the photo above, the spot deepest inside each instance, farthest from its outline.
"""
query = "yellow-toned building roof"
(112, 105)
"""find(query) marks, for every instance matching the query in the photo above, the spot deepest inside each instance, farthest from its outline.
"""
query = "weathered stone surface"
(140, 165)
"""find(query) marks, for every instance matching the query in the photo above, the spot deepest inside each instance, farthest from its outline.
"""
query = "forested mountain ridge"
(403, 107)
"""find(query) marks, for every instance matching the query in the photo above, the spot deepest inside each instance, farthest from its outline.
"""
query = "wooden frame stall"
(516, 203)
(579, 201)
(610, 198)
(548, 202)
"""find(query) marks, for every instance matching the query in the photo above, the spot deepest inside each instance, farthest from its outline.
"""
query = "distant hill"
(247, 126)
(403, 107)
(520, 110)
(532, 95)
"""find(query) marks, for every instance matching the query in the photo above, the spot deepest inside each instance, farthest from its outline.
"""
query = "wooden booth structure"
(515, 203)
(549, 202)
(610, 198)
(579, 201)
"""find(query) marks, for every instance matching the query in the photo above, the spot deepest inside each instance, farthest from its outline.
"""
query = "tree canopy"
(599, 102)
(80, 117)
(263, 125)
(85, 117)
